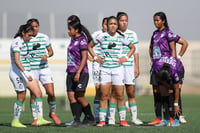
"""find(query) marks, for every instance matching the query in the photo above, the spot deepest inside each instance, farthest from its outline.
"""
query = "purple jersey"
(74, 54)
(160, 43)
(180, 66)
(173, 62)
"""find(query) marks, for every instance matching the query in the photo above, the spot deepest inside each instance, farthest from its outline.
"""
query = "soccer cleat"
(74, 124)
(137, 122)
(69, 123)
(34, 122)
(101, 124)
(55, 118)
(123, 123)
(182, 119)
(111, 121)
(17, 123)
(163, 123)
(88, 123)
(156, 121)
(171, 120)
(176, 123)
(41, 122)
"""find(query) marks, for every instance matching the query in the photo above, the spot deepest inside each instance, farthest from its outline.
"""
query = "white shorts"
(96, 72)
(129, 75)
(43, 75)
(18, 79)
(113, 75)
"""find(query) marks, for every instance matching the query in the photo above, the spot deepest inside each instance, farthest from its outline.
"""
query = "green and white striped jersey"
(132, 36)
(18, 45)
(111, 48)
(38, 45)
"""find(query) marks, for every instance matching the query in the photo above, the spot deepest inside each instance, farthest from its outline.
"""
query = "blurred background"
(183, 18)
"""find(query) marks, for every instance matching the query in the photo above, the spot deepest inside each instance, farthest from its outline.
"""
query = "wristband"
(26, 73)
(175, 104)
(47, 55)
(95, 57)
(179, 57)
(126, 57)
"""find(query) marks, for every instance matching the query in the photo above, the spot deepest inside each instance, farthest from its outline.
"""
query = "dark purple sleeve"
(172, 37)
(83, 44)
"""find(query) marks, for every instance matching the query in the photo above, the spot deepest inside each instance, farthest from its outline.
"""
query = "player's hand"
(30, 78)
(44, 57)
(76, 77)
(137, 73)
(99, 60)
(122, 60)
(177, 111)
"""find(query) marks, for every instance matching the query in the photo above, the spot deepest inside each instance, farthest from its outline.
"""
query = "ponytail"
(75, 22)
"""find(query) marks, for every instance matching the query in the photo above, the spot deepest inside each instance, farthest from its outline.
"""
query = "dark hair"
(76, 25)
(162, 17)
(30, 21)
(23, 28)
(120, 14)
(83, 28)
(73, 18)
(164, 73)
(104, 19)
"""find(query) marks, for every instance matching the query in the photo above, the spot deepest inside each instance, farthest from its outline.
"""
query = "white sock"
(52, 106)
(133, 108)
(17, 109)
(122, 112)
(102, 114)
(112, 110)
(33, 110)
(38, 106)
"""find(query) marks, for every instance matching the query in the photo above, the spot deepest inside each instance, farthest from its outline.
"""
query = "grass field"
(191, 106)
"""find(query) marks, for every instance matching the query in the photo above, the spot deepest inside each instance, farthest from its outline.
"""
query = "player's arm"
(92, 53)
(84, 54)
(136, 59)
(49, 53)
(20, 66)
(184, 46)
(131, 51)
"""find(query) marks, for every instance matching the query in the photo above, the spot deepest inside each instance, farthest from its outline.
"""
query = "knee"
(130, 95)
(105, 96)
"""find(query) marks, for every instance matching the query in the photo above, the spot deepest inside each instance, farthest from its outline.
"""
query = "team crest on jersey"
(162, 35)
(105, 38)
(75, 43)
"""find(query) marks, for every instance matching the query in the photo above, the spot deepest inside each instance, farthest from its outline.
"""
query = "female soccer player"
(162, 45)
(131, 71)
(21, 76)
(77, 74)
(38, 45)
(96, 69)
(111, 68)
